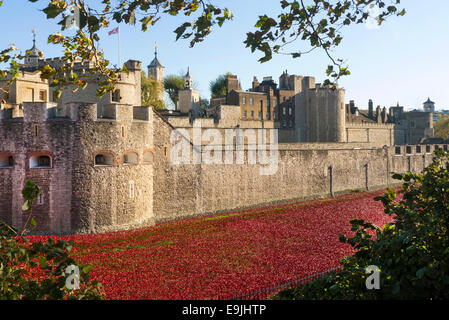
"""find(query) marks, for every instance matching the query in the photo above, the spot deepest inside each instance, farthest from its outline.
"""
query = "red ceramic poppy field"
(227, 254)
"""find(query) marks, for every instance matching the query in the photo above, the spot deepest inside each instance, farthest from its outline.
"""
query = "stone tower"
(188, 80)
(429, 106)
(189, 98)
(156, 71)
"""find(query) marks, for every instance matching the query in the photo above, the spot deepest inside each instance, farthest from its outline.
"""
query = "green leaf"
(26, 206)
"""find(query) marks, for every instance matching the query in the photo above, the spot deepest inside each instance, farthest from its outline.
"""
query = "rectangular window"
(244, 100)
(283, 111)
(268, 116)
(260, 115)
(43, 95)
(116, 96)
(274, 102)
(251, 101)
(290, 123)
(290, 111)
(412, 124)
(252, 114)
(245, 113)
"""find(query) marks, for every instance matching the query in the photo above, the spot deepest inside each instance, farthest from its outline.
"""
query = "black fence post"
(331, 180)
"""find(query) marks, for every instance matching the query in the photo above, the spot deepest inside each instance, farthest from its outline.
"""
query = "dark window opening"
(104, 160)
(6, 161)
(40, 161)
(116, 96)
(43, 161)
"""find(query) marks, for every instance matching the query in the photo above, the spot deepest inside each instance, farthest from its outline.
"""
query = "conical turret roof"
(429, 101)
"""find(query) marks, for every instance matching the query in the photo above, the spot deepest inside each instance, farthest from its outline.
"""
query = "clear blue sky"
(405, 60)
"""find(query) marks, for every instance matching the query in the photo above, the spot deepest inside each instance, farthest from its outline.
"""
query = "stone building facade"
(388, 127)
(265, 101)
(306, 111)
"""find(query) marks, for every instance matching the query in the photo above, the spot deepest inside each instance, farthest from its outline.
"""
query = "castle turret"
(156, 71)
(189, 98)
(33, 55)
(429, 106)
(188, 80)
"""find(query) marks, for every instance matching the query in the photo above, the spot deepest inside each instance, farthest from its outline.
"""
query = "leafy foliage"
(95, 16)
(172, 84)
(218, 87)
(318, 23)
(151, 89)
(40, 270)
(412, 252)
(442, 128)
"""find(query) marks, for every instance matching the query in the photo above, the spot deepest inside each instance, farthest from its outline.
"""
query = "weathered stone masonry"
(78, 195)
(135, 184)
(303, 172)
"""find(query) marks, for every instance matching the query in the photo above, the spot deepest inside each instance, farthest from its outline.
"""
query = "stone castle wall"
(376, 134)
(304, 171)
(78, 195)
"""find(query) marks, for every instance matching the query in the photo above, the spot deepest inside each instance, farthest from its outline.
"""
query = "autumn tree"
(151, 91)
(442, 128)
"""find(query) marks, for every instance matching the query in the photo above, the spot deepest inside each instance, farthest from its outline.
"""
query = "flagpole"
(119, 46)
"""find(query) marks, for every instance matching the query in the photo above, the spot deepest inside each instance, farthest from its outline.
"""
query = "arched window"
(104, 159)
(40, 161)
(131, 158)
(148, 157)
(6, 160)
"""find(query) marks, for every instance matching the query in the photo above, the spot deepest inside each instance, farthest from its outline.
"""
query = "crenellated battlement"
(40, 112)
